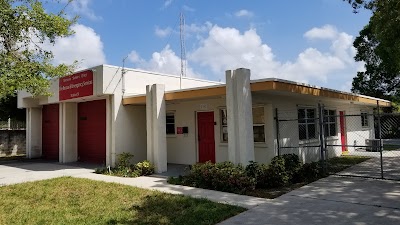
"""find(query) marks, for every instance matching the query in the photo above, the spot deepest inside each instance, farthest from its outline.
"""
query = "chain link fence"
(320, 134)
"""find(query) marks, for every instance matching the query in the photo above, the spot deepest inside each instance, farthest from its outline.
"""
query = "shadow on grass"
(167, 209)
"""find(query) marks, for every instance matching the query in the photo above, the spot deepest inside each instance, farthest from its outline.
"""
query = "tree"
(25, 64)
(378, 45)
(8, 109)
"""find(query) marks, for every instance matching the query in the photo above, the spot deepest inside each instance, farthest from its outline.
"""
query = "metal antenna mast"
(183, 48)
(123, 71)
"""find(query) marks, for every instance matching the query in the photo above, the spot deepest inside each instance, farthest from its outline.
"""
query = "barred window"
(364, 119)
(170, 123)
(307, 125)
(224, 125)
(330, 123)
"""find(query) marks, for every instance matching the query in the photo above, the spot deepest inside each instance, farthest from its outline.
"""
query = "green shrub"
(124, 168)
(175, 180)
(220, 176)
(310, 172)
(258, 172)
(124, 160)
(144, 168)
(292, 167)
(276, 175)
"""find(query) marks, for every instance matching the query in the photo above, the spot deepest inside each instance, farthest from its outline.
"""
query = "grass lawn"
(387, 147)
(335, 165)
(81, 201)
(338, 164)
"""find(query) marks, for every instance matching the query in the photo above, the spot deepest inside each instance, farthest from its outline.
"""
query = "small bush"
(310, 172)
(276, 175)
(124, 159)
(258, 172)
(292, 167)
(124, 168)
(175, 180)
(144, 168)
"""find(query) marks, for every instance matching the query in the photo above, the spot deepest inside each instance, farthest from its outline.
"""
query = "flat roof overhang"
(262, 85)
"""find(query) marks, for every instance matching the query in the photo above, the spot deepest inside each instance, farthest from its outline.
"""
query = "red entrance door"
(343, 136)
(205, 126)
(50, 132)
(92, 131)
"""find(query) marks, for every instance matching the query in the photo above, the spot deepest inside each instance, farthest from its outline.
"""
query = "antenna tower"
(183, 48)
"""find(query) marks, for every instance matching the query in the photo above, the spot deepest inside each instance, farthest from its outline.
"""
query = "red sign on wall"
(76, 86)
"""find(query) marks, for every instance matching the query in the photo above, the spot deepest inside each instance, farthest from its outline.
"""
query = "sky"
(305, 41)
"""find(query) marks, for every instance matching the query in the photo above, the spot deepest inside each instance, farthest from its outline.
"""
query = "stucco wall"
(12, 142)
(183, 149)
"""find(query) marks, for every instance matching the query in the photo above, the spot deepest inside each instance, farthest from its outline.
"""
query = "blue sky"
(308, 41)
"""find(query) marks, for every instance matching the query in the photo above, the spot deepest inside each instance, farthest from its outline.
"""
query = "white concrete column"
(156, 127)
(33, 132)
(68, 132)
(240, 116)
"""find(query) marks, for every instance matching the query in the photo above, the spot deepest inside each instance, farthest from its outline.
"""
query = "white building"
(98, 113)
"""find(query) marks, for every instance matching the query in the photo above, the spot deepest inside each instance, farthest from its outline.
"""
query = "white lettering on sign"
(78, 85)
(74, 95)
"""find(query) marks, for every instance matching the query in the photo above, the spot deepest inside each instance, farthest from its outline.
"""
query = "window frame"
(222, 125)
(328, 122)
(307, 123)
(174, 123)
(364, 118)
(259, 124)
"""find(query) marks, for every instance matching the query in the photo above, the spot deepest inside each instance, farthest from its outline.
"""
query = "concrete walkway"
(333, 200)
(19, 172)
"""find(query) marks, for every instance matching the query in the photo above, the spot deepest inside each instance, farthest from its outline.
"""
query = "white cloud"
(224, 48)
(134, 57)
(188, 8)
(81, 7)
(326, 32)
(162, 33)
(167, 3)
(85, 46)
(244, 13)
(165, 61)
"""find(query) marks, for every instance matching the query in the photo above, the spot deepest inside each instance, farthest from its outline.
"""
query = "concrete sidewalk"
(160, 184)
(19, 172)
(333, 200)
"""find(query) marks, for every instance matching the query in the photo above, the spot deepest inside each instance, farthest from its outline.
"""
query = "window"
(330, 123)
(258, 124)
(224, 125)
(170, 123)
(307, 126)
(364, 119)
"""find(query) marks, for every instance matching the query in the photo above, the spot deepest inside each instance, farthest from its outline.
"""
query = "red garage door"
(92, 131)
(50, 131)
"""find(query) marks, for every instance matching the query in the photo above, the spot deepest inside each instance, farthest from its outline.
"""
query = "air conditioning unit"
(373, 145)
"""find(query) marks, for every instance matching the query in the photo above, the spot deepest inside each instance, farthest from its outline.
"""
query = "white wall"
(69, 132)
(136, 81)
(34, 132)
(183, 149)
